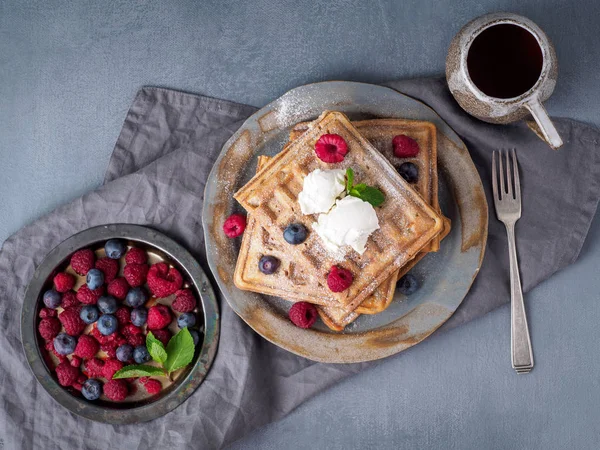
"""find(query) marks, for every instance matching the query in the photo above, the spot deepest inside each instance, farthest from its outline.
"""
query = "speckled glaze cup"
(503, 109)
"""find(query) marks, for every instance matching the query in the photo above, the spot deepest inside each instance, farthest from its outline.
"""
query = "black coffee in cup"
(504, 61)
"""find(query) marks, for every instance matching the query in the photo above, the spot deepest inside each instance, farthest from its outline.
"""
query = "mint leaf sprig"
(179, 353)
(366, 193)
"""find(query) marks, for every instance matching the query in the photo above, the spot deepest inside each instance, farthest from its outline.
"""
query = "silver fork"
(507, 200)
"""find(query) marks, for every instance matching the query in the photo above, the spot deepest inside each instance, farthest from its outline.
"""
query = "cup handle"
(547, 128)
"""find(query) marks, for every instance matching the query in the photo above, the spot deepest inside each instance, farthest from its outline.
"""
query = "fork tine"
(509, 177)
(516, 175)
(495, 176)
(501, 173)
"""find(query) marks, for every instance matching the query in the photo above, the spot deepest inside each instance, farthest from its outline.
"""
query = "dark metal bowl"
(184, 385)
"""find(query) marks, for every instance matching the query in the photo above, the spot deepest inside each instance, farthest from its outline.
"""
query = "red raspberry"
(87, 347)
(82, 261)
(47, 312)
(136, 256)
(116, 390)
(118, 288)
(152, 386)
(234, 225)
(64, 282)
(110, 350)
(111, 366)
(123, 315)
(89, 297)
(184, 301)
(143, 380)
(162, 335)
(159, 317)
(66, 373)
(163, 281)
(93, 367)
(71, 321)
(405, 147)
(49, 328)
(131, 330)
(303, 314)
(135, 340)
(119, 339)
(339, 279)
(331, 148)
(135, 274)
(75, 361)
(69, 299)
(50, 347)
(109, 267)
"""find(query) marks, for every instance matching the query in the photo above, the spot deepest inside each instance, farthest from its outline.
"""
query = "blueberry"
(107, 304)
(136, 297)
(409, 172)
(89, 314)
(187, 319)
(268, 264)
(195, 336)
(64, 344)
(94, 279)
(115, 248)
(295, 234)
(141, 355)
(91, 389)
(107, 324)
(408, 284)
(124, 352)
(139, 316)
(52, 299)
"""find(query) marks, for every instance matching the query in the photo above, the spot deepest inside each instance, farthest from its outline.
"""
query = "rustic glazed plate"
(445, 276)
(139, 407)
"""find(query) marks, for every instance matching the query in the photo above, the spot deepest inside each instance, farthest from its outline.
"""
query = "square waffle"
(407, 223)
(292, 275)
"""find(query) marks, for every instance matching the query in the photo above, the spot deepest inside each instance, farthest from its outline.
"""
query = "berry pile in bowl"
(119, 324)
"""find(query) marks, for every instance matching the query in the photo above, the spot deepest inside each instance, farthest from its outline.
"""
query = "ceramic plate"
(445, 276)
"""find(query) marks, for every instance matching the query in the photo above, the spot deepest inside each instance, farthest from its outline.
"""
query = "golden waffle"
(381, 132)
(257, 241)
(407, 223)
(338, 318)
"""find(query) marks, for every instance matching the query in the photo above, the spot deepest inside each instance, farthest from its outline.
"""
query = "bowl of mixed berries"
(120, 324)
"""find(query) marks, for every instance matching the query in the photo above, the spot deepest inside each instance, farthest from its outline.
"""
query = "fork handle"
(520, 342)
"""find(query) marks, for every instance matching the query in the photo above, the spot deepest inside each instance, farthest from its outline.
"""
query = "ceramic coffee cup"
(501, 67)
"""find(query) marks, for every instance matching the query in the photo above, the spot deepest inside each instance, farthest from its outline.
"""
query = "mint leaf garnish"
(349, 178)
(139, 370)
(366, 193)
(156, 348)
(180, 350)
(372, 195)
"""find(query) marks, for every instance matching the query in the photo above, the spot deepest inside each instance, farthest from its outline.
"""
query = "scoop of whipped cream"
(350, 222)
(320, 190)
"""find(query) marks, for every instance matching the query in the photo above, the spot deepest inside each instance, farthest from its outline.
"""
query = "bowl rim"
(185, 386)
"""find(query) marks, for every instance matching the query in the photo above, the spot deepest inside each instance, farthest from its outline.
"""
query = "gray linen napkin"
(156, 177)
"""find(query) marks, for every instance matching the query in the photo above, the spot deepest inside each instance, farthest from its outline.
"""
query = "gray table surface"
(69, 70)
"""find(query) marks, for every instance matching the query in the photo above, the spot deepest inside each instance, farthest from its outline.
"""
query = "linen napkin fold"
(156, 177)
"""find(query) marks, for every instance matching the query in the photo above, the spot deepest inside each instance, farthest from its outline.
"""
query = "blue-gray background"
(69, 70)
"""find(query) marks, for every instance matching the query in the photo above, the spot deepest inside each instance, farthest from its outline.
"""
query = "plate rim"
(444, 129)
(210, 310)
